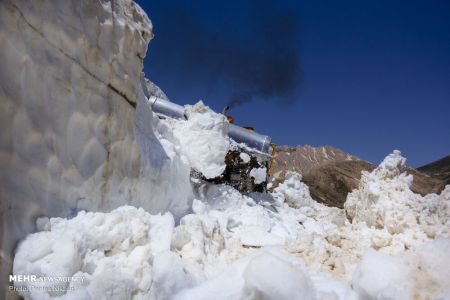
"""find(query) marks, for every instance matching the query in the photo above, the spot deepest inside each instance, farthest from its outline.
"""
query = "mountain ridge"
(331, 173)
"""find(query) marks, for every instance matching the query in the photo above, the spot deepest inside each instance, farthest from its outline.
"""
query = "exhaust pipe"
(250, 138)
(167, 108)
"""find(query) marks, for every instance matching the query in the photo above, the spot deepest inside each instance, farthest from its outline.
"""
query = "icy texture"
(68, 85)
(70, 141)
(259, 174)
(381, 276)
(292, 191)
(164, 167)
(115, 253)
(236, 247)
(422, 274)
(384, 200)
(267, 274)
(202, 139)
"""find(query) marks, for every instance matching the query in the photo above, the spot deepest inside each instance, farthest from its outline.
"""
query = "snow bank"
(376, 260)
(164, 167)
(72, 140)
(292, 191)
(422, 274)
(380, 276)
(237, 247)
(266, 274)
(69, 84)
(384, 200)
(114, 254)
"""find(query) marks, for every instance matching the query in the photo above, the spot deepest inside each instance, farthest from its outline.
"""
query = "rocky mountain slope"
(439, 169)
(331, 173)
(303, 158)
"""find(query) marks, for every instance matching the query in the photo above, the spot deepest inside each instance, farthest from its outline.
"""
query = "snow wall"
(69, 85)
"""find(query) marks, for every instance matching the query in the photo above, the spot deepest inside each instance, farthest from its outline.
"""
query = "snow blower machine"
(249, 160)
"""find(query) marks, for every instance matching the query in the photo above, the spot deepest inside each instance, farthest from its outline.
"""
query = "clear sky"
(364, 76)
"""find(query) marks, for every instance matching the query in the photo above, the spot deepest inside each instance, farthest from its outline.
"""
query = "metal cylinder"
(167, 108)
(239, 134)
(250, 138)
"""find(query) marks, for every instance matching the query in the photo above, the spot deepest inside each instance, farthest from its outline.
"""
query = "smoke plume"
(246, 56)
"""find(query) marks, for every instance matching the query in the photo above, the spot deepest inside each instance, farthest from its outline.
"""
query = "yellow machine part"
(274, 150)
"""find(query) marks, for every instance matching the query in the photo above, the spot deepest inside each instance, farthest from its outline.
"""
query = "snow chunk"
(111, 251)
(380, 276)
(259, 174)
(267, 274)
(203, 139)
(384, 200)
(292, 191)
(421, 274)
(235, 247)
(245, 157)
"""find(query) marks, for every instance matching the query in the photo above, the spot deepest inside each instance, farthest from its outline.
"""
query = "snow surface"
(73, 137)
(203, 139)
(69, 78)
(237, 247)
(292, 191)
(245, 157)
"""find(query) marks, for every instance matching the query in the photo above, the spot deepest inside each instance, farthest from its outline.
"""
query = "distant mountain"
(439, 169)
(303, 158)
(331, 173)
(329, 183)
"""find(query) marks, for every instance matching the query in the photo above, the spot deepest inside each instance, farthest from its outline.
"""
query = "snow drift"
(80, 141)
(239, 247)
(69, 84)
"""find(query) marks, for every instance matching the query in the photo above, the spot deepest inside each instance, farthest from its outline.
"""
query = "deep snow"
(388, 243)
(71, 135)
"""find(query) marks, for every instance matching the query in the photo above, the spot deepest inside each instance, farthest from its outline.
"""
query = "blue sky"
(364, 76)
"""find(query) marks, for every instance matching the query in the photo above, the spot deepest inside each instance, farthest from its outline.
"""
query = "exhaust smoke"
(239, 56)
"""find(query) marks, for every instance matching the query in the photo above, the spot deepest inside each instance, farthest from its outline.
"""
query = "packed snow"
(67, 141)
(73, 91)
(258, 174)
(201, 140)
(388, 243)
(245, 157)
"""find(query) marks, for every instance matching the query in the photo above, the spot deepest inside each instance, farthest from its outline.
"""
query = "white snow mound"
(384, 200)
(259, 174)
(202, 139)
(388, 243)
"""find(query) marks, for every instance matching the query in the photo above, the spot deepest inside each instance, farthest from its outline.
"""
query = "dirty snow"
(245, 157)
(259, 175)
(236, 247)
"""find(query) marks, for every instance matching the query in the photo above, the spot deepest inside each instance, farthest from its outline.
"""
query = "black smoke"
(251, 56)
